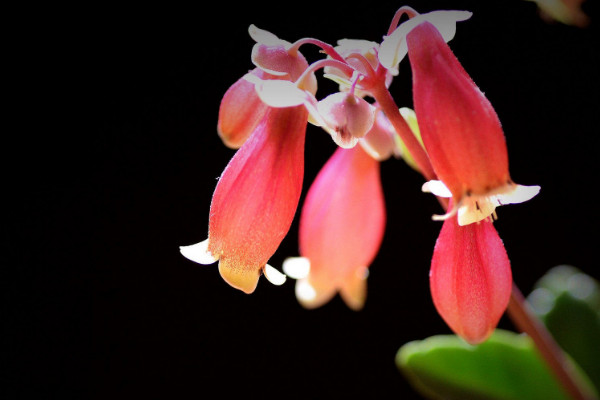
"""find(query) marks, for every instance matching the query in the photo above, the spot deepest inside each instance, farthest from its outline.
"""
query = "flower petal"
(354, 289)
(198, 253)
(243, 279)
(265, 37)
(310, 296)
(257, 195)
(393, 48)
(277, 93)
(437, 188)
(240, 111)
(341, 227)
(274, 276)
(296, 267)
(470, 278)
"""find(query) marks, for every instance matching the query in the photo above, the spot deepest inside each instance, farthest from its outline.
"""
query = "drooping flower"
(341, 228)
(257, 195)
(348, 117)
(461, 132)
(255, 199)
(241, 109)
(470, 278)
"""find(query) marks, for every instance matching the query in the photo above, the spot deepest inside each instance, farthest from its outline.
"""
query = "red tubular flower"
(240, 112)
(241, 109)
(470, 278)
(255, 200)
(341, 228)
(460, 130)
(257, 195)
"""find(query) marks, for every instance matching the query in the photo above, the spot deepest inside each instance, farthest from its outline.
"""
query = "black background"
(117, 157)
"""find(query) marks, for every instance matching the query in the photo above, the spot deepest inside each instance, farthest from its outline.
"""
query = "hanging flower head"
(257, 195)
(241, 109)
(461, 132)
(341, 228)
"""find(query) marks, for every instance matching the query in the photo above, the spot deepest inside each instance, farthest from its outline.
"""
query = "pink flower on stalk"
(241, 109)
(461, 132)
(257, 195)
(470, 278)
(255, 200)
(341, 228)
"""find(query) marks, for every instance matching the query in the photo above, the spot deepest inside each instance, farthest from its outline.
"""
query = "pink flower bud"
(240, 112)
(241, 108)
(347, 116)
(470, 278)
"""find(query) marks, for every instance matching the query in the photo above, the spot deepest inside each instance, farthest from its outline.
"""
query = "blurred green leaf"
(506, 366)
(568, 302)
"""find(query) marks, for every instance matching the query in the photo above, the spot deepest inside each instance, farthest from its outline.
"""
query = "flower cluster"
(453, 138)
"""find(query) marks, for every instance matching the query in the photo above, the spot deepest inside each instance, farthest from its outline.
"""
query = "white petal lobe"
(274, 276)
(198, 253)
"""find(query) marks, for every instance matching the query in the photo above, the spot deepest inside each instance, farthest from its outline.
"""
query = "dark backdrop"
(118, 156)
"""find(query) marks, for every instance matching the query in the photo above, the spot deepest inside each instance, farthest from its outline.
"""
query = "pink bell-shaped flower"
(341, 228)
(461, 132)
(255, 200)
(470, 278)
(240, 112)
(348, 117)
(241, 108)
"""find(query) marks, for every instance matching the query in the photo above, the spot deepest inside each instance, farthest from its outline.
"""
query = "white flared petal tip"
(278, 93)
(198, 253)
(519, 194)
(393, 48)
(305, 293)
(274, 276)
(473, 209)
(296, 267)
(265, 37)
(437, 188)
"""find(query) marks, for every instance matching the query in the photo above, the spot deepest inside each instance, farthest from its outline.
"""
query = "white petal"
(437, 188)
(274, 276)
(277, 93)
(393, 48)
(469, 212)
(296, 267)
(520, 194)
(445, 21)
(265, 37)
(198, 253)
(305, 293)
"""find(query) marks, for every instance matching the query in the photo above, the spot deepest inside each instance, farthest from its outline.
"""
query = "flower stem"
(392, 112)
(518, 309)
(524, 319)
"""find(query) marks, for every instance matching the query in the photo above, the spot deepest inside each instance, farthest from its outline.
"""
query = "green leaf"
(506, 366)
(568, 302)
